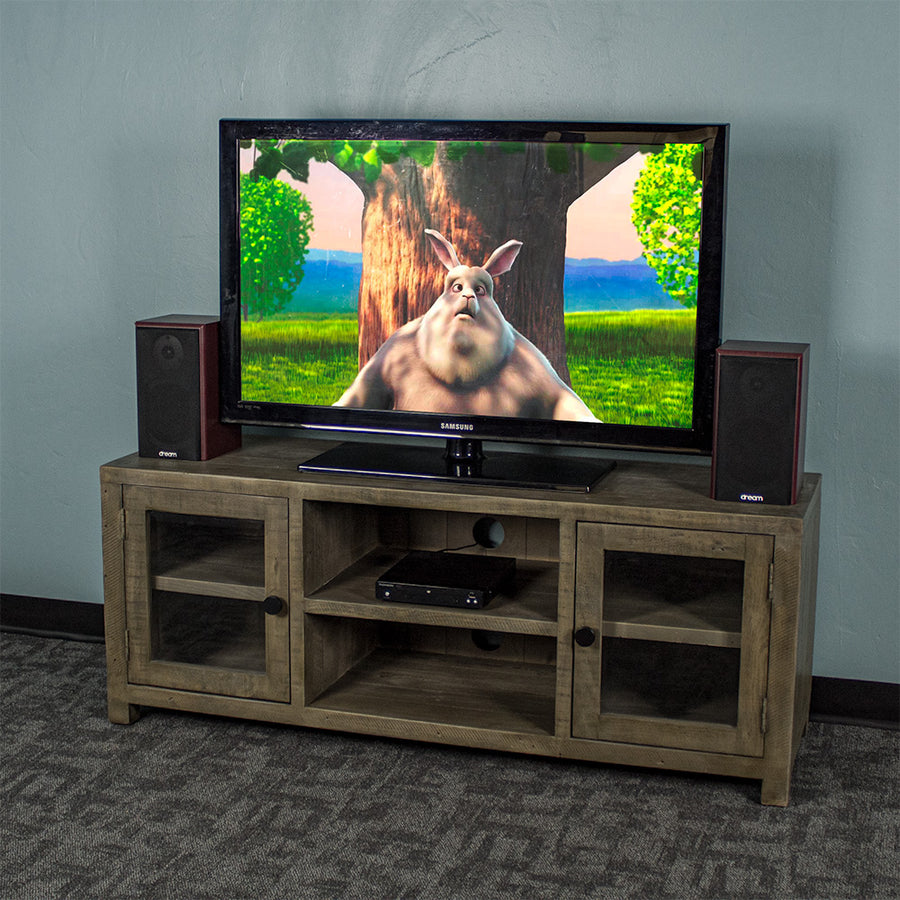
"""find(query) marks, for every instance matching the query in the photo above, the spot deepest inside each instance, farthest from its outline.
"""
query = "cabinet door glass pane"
(686, 682)
(672, 636)
(680, 598)
(208, 574)
(207, 548)
(208, 631)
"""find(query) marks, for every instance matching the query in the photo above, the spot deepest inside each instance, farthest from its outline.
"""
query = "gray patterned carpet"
(180, 806)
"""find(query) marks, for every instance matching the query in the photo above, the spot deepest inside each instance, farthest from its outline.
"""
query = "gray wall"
(109, 214)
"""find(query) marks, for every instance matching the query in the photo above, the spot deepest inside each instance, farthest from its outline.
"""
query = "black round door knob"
(584, 637)
(273, 605)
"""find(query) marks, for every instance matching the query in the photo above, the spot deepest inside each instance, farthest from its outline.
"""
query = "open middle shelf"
(531, 609)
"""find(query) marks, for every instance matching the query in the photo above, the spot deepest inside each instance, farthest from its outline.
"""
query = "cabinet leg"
(122, 713)
(775, 792)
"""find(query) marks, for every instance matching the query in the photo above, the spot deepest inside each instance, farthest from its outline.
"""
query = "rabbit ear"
(502, 258)
(444, 249)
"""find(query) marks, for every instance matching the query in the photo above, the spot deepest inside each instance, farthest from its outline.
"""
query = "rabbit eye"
(457, 287)
(480, 290)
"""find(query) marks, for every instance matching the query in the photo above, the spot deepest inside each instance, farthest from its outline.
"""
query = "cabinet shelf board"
(231, 566)
(669, 631)
(437, 688)
(224, 589)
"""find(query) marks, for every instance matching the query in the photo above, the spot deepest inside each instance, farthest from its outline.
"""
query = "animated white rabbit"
(462, 356)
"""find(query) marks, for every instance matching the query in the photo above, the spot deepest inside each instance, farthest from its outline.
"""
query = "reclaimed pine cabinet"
(648, 625)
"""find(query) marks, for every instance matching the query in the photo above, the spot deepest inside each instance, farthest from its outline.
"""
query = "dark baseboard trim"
(69, 619)
(838, 700)
(848, 702)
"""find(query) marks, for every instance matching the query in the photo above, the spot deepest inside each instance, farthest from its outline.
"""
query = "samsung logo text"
(456, 426)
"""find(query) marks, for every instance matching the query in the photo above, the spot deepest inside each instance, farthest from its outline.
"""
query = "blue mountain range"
(598, 284)
(331, 284)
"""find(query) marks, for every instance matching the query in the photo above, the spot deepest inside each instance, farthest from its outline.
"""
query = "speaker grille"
(168, 382)
(170, 410)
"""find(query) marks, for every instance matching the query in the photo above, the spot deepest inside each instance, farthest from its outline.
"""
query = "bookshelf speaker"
(760, 421)
(178, 389)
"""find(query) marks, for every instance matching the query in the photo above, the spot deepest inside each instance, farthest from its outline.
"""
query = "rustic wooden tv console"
(649, 626)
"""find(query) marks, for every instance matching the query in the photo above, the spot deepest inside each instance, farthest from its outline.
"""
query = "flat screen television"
(546, 283)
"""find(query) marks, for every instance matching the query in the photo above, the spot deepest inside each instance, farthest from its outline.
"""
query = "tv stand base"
(464, 462)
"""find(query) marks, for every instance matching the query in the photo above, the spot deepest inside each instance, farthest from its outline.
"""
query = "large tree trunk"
(477, 203)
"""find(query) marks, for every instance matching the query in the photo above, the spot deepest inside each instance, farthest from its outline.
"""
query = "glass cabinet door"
(206, 592)
(671, 637)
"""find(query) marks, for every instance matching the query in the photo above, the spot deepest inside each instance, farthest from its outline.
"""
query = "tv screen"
(557, 283)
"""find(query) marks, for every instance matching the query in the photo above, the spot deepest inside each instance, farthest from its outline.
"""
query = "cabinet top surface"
(269, 465)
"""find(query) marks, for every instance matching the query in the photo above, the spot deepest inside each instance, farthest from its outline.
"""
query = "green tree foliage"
(666, 212)
(369, 156)
(276, 223)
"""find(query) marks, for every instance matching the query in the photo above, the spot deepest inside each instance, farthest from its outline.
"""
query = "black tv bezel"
(694, 440)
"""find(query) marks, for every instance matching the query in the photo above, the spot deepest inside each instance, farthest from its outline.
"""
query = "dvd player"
(439, 578)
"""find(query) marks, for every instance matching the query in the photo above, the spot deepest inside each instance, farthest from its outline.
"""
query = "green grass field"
(634, 368)
(298, 358)
(631, 368)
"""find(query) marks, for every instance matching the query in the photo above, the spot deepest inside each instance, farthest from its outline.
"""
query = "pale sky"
(329, 188)
(599, 222)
